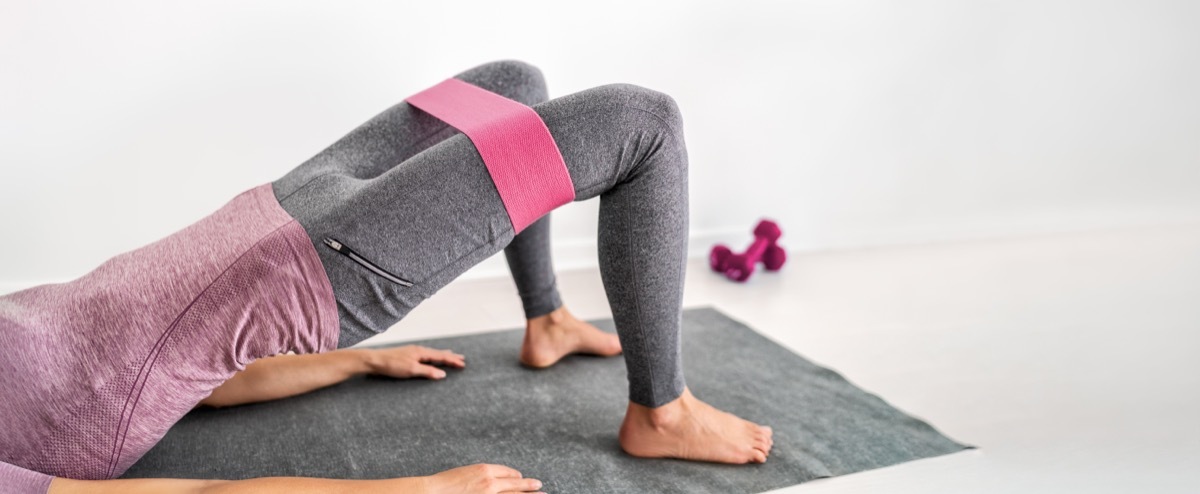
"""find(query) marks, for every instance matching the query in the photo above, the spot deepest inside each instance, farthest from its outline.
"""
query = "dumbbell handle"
(756, 249)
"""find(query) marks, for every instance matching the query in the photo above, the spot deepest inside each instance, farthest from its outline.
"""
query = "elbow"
(216, 400)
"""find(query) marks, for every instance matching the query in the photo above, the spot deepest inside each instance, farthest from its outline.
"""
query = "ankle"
(663, 416)
(555, 317)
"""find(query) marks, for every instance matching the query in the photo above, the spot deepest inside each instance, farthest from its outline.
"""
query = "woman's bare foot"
(690, 429)
(550, 337)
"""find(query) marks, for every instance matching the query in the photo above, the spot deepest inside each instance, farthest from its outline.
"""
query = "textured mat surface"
(558, 425)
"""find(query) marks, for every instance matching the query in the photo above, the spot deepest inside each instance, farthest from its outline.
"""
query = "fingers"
(415, 361)
(443, 357)
(504, 485)
(422, 370)
(506, 480)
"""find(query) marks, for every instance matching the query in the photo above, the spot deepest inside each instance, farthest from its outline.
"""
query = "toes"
(761, 444)
(758, 456)
(761, 439)
(614, 345)
(763, 432)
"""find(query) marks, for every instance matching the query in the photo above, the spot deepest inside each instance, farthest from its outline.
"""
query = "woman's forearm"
(266, 485)
(479, 478)
(282, 376)
(301, 485)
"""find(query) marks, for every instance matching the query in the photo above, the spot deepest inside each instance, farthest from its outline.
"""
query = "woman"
(339, 249)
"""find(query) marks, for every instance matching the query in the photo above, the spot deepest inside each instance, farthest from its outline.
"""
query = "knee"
(638, 113)
(513, 79)
(656, 104)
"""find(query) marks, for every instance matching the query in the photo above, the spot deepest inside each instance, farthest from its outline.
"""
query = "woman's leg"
(401, 132)
(528, 257)
(430, 218)
(551, 331)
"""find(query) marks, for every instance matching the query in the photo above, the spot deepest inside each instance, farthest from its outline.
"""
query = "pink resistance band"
(517, 148)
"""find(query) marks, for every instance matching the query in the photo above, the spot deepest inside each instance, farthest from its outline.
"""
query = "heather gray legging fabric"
(411, 195)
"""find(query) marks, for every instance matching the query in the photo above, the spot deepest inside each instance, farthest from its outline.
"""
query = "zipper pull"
(348, 252)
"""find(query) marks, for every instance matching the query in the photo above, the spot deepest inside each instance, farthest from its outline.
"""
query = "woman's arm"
(472, 479)
(265, 485)
(282, 376)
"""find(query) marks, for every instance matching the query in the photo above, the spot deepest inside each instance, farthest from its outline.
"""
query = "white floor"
(1072, 361)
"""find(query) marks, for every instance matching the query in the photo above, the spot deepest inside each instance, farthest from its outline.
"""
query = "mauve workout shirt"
(95, 370)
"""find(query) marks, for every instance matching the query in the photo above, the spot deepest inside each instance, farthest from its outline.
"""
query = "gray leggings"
(412, 198)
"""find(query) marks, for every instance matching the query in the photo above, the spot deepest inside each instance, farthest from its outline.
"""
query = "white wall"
(852, 123)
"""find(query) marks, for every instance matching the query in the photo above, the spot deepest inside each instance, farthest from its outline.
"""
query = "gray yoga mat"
(558, 425)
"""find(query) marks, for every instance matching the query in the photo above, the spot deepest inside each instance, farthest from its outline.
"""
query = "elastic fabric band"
(517, 148)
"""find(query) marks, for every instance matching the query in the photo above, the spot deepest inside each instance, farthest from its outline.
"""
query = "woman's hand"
(408, 361)
(481, 478)
(281, 376)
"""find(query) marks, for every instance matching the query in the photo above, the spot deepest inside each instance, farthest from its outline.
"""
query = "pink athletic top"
(94, 371)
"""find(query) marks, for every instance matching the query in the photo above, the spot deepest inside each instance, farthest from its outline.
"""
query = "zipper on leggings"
(348, 252)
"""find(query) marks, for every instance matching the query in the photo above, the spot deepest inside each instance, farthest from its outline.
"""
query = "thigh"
(424, 221)
(370, 149)
(398, 133)
(430, 218)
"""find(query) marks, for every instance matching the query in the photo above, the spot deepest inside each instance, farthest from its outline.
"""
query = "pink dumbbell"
(739, 267)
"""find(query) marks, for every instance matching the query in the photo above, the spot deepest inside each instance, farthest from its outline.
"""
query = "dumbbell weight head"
(718, 256)
(739, 267)
(774, 257)
(769, 230)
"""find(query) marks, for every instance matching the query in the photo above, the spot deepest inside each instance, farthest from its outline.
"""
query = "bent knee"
(656, 103)
(516, 80)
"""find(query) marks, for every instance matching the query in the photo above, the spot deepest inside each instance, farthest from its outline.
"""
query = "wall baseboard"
(581, 253)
